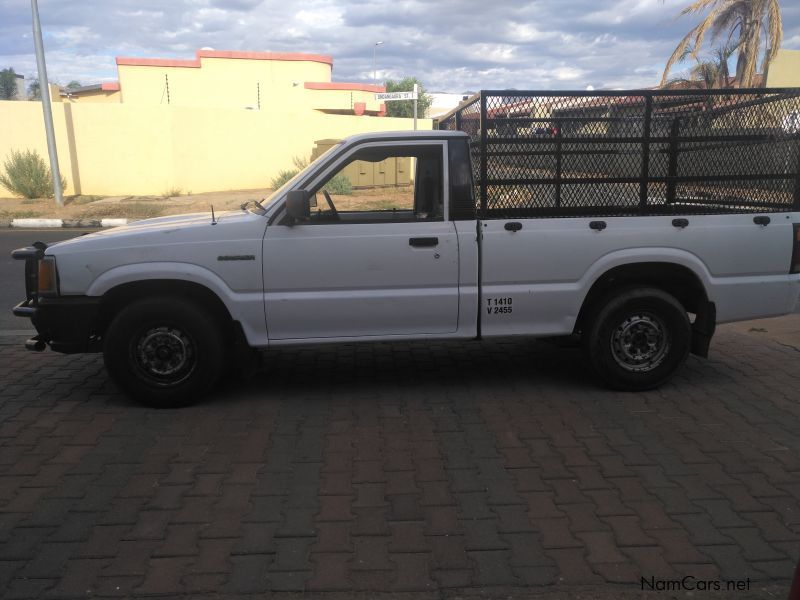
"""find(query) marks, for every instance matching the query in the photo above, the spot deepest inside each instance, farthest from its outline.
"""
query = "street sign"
(391, 96)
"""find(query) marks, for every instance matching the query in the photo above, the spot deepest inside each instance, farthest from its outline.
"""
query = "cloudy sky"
(451, 45)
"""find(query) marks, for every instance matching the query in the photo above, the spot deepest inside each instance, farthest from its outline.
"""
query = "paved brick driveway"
(440, 468)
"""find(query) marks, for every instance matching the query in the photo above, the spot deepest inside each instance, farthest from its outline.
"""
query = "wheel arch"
(117, 297)
(245, 309)
(676, 279)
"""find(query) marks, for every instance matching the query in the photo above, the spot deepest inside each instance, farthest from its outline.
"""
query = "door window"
(383, 184)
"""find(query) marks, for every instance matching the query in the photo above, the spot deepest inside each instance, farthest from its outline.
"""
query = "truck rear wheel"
(165, 351)
(638, 338)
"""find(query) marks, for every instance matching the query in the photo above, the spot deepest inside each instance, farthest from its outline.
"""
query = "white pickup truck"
(459, 234)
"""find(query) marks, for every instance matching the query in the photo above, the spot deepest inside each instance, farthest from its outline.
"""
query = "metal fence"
(545, 153)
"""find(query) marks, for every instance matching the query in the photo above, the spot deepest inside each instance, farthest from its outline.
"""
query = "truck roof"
(411, 135)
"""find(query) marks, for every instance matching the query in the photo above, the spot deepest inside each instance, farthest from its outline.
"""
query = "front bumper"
(68, 324)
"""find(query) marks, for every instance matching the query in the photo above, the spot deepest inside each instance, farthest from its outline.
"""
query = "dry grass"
(127, 207)
(6, 215)
(372, 199)
(146, 207)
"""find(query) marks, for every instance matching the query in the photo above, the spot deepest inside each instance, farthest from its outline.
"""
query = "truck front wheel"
(164, 351)
(638, 338)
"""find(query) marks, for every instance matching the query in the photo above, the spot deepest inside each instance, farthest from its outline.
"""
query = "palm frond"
(680, 53)
(728, 19)
(698, 33)
(774, 30)
(705, 25)
(748, 24)
(698, 6)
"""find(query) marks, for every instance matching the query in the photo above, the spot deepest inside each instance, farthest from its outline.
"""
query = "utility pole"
(47, 109)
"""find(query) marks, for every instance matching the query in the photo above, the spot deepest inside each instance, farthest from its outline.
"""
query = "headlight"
(48, 277)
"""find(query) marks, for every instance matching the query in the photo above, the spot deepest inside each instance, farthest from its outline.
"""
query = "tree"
(746, 22)
(706, 74)
(73, 85)
(34, 90)
(405, 108)
(8, 84)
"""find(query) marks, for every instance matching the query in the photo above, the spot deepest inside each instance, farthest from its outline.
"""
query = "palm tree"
(706, 74)
(745, 22)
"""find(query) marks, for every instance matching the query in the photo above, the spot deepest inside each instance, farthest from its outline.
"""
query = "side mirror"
(297, 205)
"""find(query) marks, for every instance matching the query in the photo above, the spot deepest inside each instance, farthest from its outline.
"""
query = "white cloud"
(453, 45)
(568, 73)
(527, 32)
(76, 35)
(321, 18)
(627, 10)
(491, 52)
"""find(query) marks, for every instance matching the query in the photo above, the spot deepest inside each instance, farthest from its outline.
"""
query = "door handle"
(513, 226)
(761, 220)
(423, 242)
(597, 225)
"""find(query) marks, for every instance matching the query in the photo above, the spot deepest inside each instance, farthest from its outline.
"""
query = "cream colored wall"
(115, 149)
(784, 71)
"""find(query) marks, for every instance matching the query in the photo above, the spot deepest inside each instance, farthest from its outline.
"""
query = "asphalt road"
(12, 284)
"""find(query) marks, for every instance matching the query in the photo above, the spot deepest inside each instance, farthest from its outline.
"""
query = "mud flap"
(703, 329)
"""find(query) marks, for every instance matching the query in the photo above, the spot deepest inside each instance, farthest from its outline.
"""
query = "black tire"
(164, 352)
(638, 338)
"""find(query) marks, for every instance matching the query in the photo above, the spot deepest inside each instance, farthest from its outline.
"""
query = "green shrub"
(285, 175)
(339, 185)
(282, 177)
(172, 192)
(27, 175)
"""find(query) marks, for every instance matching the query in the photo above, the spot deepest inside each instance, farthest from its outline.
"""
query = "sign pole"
(44, 89)
(415, 107)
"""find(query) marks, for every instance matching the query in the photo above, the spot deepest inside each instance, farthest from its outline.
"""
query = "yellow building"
(221, 121)
(784, 71)
(272, 81)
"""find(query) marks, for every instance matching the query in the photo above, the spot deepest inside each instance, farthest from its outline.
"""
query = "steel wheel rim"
(640, 342)
(165, 355)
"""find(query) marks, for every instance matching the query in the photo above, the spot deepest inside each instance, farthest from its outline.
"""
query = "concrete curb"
(56, 223)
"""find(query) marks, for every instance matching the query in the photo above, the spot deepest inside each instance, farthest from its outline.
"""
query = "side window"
(388, 184)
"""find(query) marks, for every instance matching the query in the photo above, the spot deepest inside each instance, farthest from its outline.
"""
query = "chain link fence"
(544, 154)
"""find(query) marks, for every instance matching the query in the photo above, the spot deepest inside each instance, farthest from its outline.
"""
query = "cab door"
(378, 262)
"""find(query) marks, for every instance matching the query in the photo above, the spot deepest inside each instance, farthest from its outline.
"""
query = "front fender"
(245, 307)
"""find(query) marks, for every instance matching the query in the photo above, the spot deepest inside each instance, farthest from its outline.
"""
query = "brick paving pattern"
(431, 468)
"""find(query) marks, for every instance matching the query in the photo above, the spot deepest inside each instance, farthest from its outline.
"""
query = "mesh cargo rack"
(651, 152)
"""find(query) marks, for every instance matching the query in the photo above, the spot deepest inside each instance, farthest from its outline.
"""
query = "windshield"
(267, 202)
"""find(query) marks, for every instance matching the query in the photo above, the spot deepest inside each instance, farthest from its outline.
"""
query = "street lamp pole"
(374, 54)
(47, 109)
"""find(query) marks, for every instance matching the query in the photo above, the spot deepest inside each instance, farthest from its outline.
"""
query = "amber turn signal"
(48, 280)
